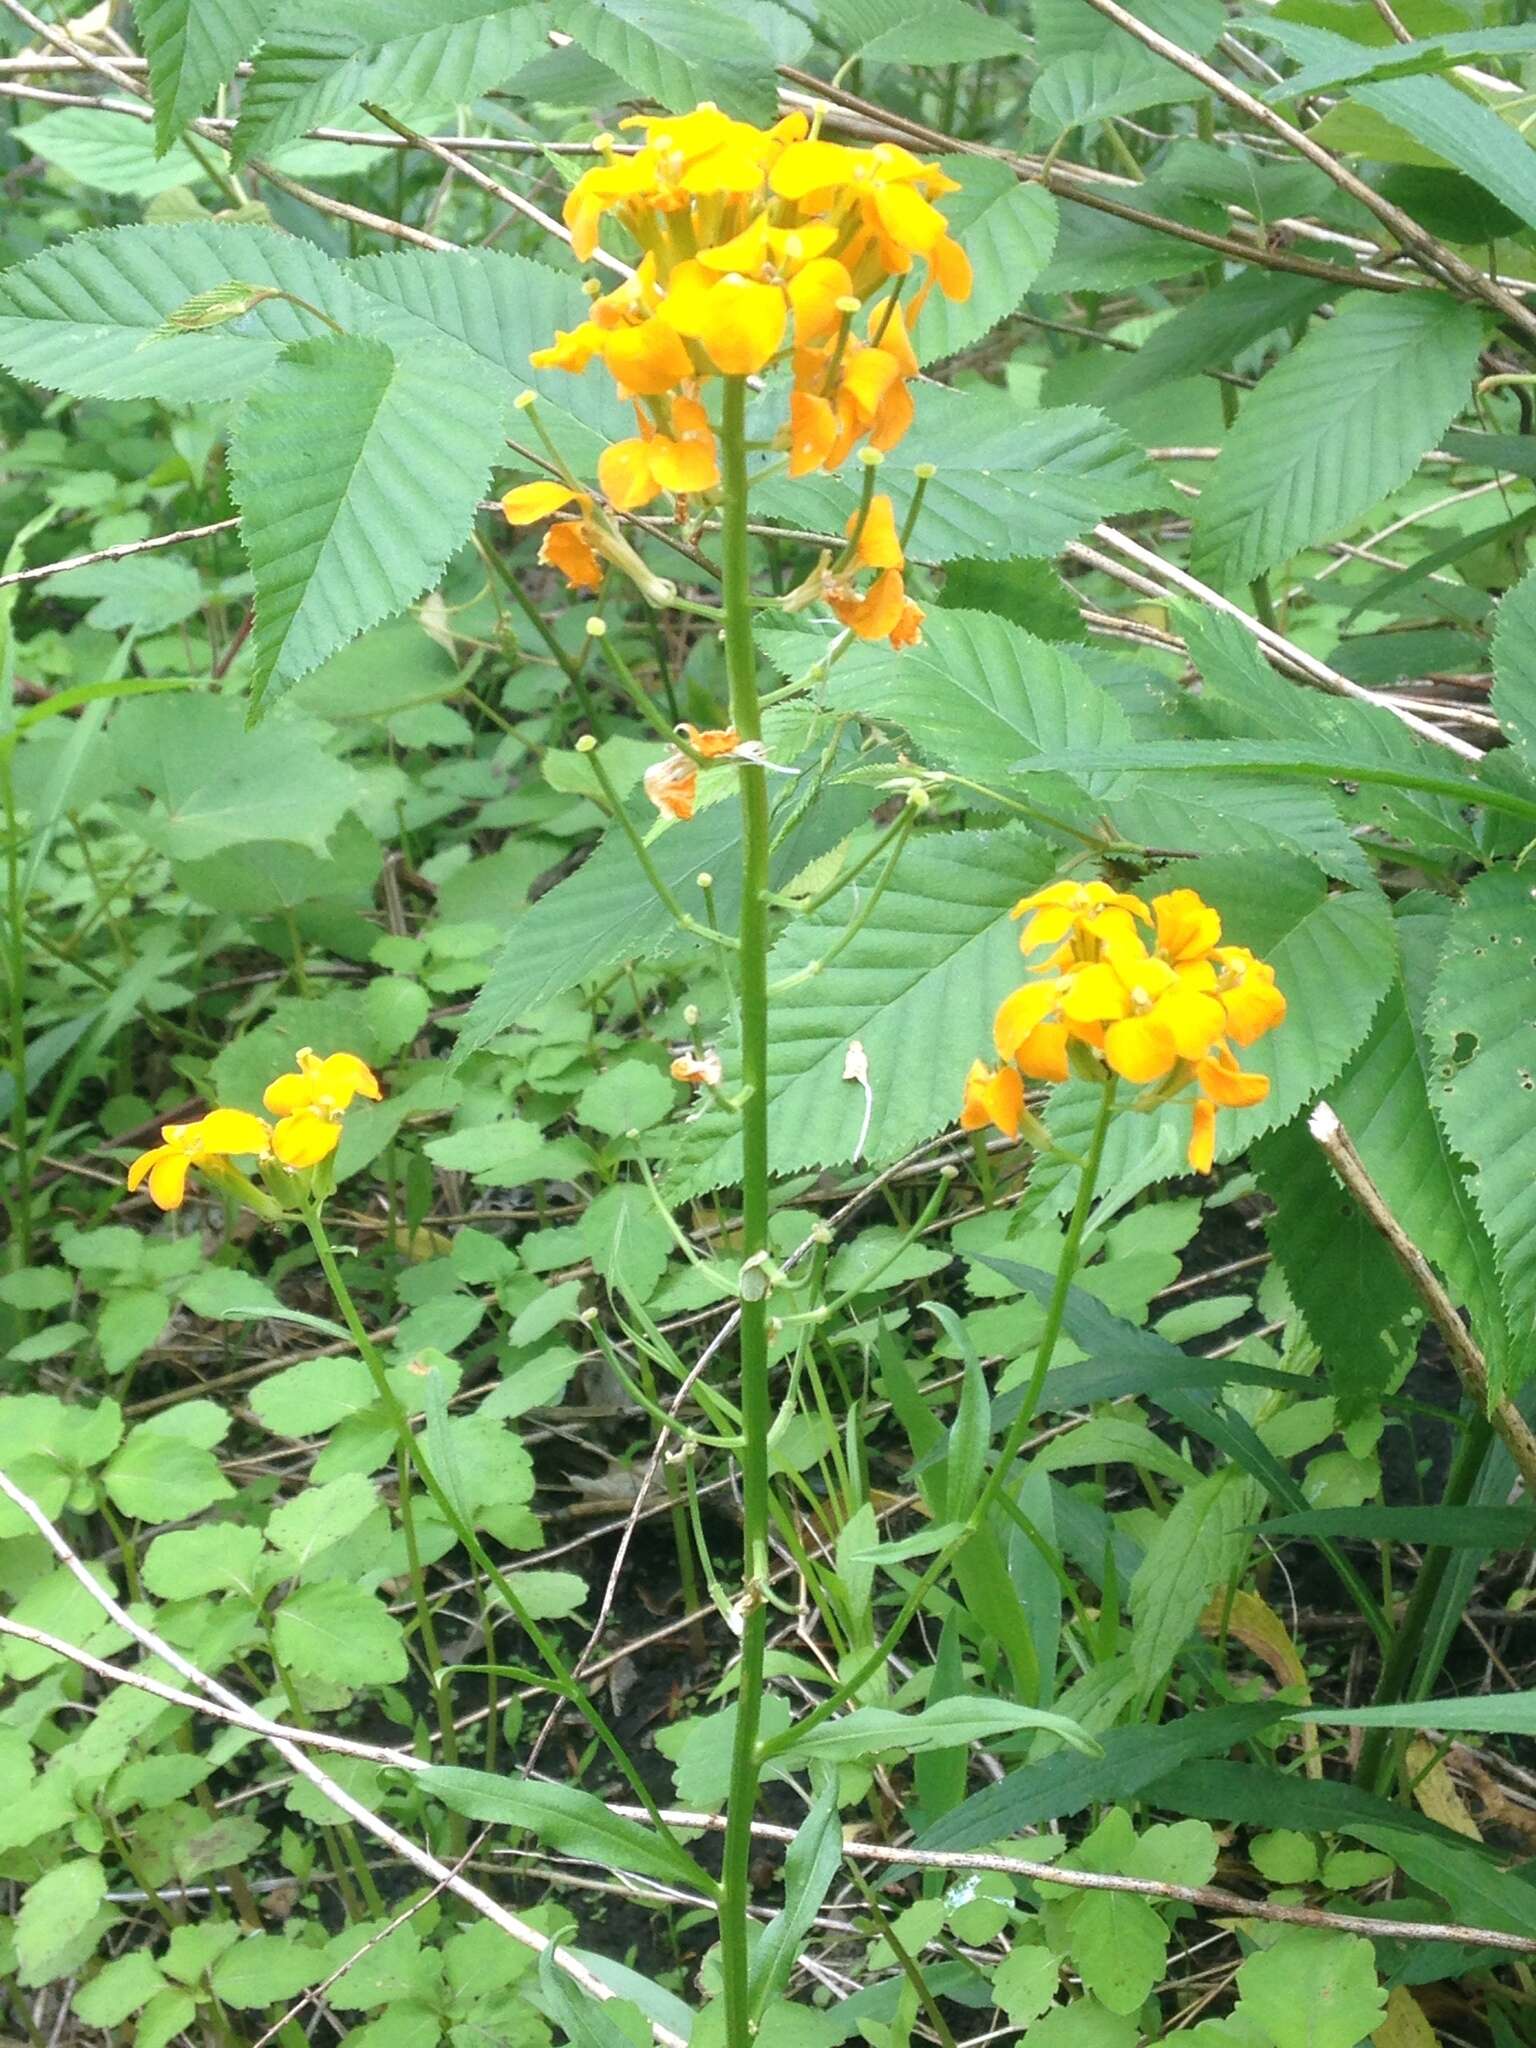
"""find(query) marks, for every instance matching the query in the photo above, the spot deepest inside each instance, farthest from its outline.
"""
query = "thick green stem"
(756, 1414)
(1399, 1661)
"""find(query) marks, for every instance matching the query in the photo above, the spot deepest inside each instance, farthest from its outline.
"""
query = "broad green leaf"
(1215, 327)
(193, 47)
(1092, 85)
(336, 1631)
(607, 911)
(396, 454)
(117, 1989)
(499, 308)
(627, 1239)
(1082, 2024)
(1313, 1989)
(159, 1478)
(1337, 424)
(566, 1820)
(57, 1911)
(978, 694)
(678, 52)
(263, 1969)
(306, 1526)
(1119, 1947)
(1008, 482)
(917, 986)
(218, 1557)
(217, 784)
(936, 32)
(947, 1724)
(112, 156)
(1062, 26)
(84, 317)
(1479, 1023)
(315, 67)
(1008, 229)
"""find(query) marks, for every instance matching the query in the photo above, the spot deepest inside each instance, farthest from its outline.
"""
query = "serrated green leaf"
(499, 308)
(83, 317)
(1092, 85)
(936, 32)
(117, 1989)
(56, 1913)
(979, 693)
(565, 1819)
(263, 1969)
(1338, 423)
(193, 47)
(1008, 482)
(158, 1478)
(1062, 26)
(1328, 60)
(1119, 1947)
(312, 69)
(1484, 1092)
(678, 52)
(1008, 230)
(917, 987)
(1514, 668)
(1313, 1989)
(357, 468)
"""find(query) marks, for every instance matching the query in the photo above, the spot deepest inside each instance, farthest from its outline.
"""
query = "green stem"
(642, 853)
(1396, 1667)
(20, 1204)
(756, 1408)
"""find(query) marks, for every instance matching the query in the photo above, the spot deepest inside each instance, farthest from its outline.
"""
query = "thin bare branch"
(120, 552)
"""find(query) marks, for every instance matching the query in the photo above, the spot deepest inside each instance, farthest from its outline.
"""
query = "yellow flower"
(208, 1142)
(311, 1103)
(684, 460)
(992, 1097)
(1148, 991)
(877, 545)
(738, 321)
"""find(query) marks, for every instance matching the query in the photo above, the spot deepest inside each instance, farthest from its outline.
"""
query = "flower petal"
(528, 503)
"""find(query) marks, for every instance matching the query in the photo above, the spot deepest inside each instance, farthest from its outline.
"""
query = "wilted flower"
(672, 783)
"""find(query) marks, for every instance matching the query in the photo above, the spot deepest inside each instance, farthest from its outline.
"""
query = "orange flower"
(698, 1070)
(813, 432)
(876, 543)
(568, 544)
(684, 460)
(908, 629)
(672, 783)
(878, 613)
(992, 1097)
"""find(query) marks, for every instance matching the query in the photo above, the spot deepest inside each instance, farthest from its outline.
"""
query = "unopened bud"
(525, 399)
(705, 879)
(925, 472)
(691, 1016)
(596, 628)
(871, 457)
(586, 744)
(847, 304)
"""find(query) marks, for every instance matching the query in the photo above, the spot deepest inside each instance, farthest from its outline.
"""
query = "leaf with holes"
(193, 47)
(1337, 424)
(678, 52)
(917, 986)
(1008, 230)
(1008, 481)
(1482, 1025)
(316, 66)
(357, 468)
(85, 317)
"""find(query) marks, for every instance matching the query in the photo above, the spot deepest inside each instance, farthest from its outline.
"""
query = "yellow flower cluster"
(754, 244)
(1150, 992)
(309, 1106)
